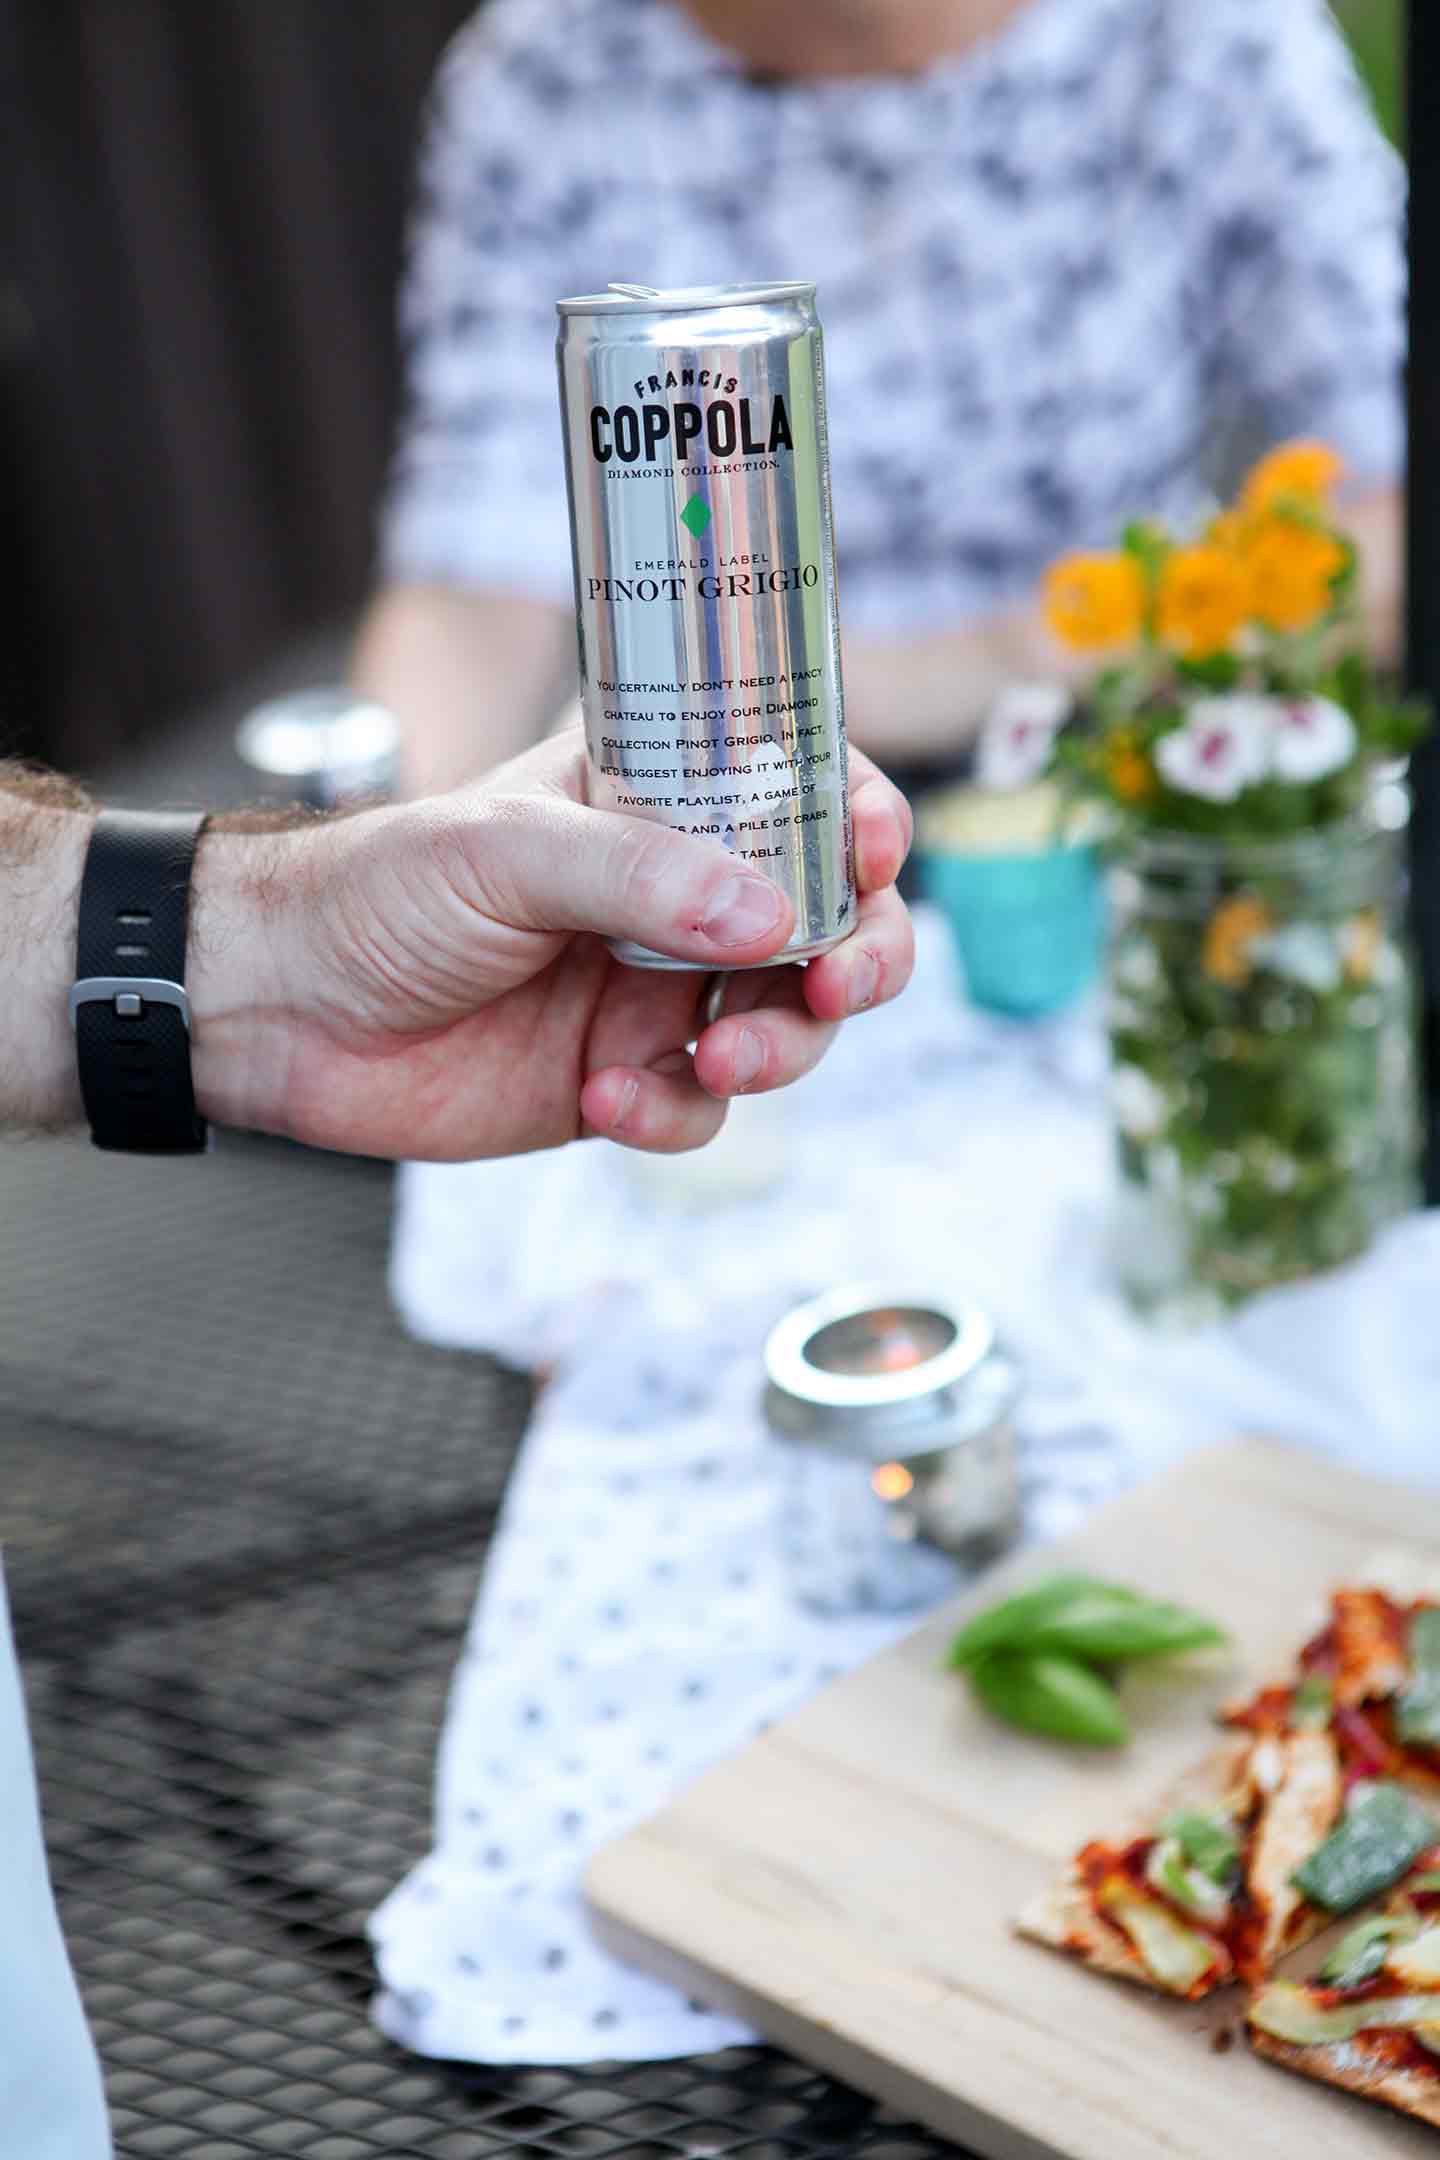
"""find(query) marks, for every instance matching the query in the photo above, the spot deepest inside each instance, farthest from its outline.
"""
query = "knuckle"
(478, 856)
(643, 868)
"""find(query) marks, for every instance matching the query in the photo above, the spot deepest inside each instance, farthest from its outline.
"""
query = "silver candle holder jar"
(897, 1417)
(327, 747)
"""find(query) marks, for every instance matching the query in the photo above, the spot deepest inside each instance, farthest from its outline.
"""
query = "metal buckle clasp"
(129, 994)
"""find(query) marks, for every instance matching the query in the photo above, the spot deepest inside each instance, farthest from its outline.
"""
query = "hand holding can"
(705, 581)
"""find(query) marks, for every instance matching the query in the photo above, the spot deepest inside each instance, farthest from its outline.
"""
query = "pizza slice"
(1372, 1675)
(1370, 2019)
(1202, 1893)
(1212, 1887)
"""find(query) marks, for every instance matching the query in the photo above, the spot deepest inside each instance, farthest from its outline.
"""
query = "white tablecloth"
(634, 1624)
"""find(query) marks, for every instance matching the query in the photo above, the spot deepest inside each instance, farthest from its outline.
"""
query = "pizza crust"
(1065, 1917)
(1357, 2069)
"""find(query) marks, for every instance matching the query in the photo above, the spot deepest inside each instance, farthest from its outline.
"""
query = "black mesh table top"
(244, 1519)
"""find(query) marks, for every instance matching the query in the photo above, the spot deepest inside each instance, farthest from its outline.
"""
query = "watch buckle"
(129, 994)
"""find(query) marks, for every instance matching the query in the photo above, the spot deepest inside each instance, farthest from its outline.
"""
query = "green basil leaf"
(1360, 1954)
(1378, 1837)
(1417, 1713)
(1313, 1704)
(1014, 1620)
(1430, 1880)
(1052, 1695)
(1106, 1631)
(1207, 1841)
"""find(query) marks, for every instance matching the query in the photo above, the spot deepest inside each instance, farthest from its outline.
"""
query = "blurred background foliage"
(1376, 30)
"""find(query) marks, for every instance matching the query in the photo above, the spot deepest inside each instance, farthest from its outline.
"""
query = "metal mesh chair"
(240, 1572)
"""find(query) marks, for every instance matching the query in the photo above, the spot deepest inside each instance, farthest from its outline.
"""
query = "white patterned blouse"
(1061, 275)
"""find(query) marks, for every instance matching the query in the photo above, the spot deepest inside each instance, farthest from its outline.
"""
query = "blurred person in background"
(1069, 252)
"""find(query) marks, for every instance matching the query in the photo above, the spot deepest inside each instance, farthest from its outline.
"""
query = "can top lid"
(681, 299)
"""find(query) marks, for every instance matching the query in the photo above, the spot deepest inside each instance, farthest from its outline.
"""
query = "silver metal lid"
(805, 1360)
(681, 299)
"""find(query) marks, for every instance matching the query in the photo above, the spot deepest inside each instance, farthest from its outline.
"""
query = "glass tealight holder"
(897, 1419)
(326, 747)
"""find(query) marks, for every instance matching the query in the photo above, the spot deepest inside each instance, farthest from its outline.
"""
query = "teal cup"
(1029, 928)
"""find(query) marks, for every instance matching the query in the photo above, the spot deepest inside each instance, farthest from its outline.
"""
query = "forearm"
(44, 833)
(250, 876)
(474, 678)
(926, 697)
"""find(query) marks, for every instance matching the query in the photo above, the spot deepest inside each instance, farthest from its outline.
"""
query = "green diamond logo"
(696, 515)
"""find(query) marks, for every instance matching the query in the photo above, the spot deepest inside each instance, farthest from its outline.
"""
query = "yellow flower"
(1229, 934)
(1360, 945)
(1128, 770)
(1092, 601)
(1229, 530)
(1204, 599)
(1308, 469)
(1291, 568)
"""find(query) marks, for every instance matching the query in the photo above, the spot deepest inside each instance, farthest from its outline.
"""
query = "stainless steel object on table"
(326, 747)
(896, 1412)
(704, 558)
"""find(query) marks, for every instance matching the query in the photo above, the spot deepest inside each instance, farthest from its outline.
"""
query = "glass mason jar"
(1262, 1025)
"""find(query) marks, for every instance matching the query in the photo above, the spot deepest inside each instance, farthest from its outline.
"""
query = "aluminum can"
(704, 555)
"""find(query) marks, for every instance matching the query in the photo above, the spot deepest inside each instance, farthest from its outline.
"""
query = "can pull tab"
(636, 292)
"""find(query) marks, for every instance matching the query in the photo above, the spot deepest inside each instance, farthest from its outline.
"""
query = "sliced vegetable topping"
(1291, 2013)
(1053, 1695)
(1416, 1961)
(1208, 1842)
(1167, 1871)
(1313, 1704)
(1178, 1956)
(1366, 1752)
(1359, 1955)
(1382, 1831)
(1417, 1713)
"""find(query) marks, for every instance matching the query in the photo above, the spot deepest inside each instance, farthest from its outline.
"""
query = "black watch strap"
(129, 1007)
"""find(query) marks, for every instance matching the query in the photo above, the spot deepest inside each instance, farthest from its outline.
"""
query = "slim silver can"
(705, 581)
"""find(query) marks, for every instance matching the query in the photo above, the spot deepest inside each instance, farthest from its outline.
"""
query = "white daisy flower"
(1137, 965)
(1223, 747)
(1301, 953)
(1019, 735)
(1139, 1105)
(1312, 737)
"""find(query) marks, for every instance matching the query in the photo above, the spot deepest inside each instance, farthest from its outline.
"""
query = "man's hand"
(431, 981)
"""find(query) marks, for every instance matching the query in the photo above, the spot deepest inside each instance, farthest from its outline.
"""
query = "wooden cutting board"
(847, 1882)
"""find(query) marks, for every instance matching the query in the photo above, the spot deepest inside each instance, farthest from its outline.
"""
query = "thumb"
(541, 863)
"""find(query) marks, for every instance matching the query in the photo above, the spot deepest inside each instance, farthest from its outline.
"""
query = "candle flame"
(891, 1481)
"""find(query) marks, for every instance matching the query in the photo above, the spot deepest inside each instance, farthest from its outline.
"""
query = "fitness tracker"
(129, 1008)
